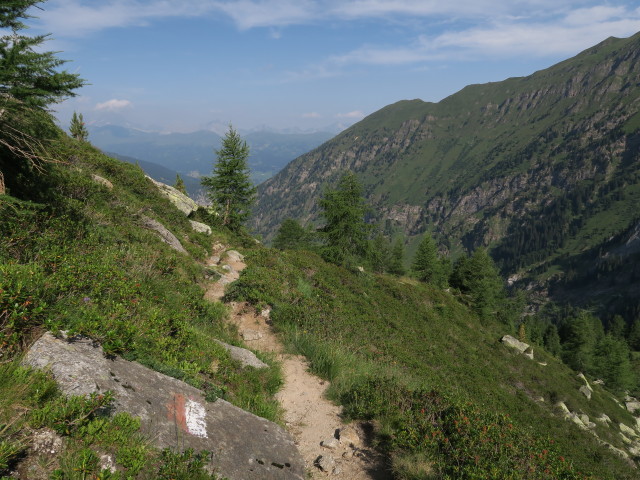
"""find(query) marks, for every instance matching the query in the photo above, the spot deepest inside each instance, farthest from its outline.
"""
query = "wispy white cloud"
(311, 115)
(357, 114)
(465, 28)
(566, 33)
(72, 18)
(269, 13)
(576, 31)
(113, 105)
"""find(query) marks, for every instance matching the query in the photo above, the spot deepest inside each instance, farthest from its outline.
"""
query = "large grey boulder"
(242, 355)
(172, 413)
(182, 202)
(200, 227)
(585, 389)
(164, 234)
(516, 344)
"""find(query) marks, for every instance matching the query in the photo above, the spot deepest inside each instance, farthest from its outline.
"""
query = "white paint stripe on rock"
(195, 416)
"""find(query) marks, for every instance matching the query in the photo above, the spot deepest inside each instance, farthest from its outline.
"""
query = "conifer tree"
(292, 236)
(617, 326)
(611, 362)
(29, 82)
(478, 277)
(579, 342)
(551, 340)
(396, 266)
(634, 335)
(522, 332)
(77, 128)
(229, 188)
(427, 265)
(27, 74)
(345, 231)
(379, 253)
(179, 185)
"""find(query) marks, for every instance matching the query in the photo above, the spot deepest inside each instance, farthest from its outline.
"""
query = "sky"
(186, 65)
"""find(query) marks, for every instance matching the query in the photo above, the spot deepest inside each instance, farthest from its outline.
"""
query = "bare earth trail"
(314, 421)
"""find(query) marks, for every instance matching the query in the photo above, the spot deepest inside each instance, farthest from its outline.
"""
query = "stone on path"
(326, 463)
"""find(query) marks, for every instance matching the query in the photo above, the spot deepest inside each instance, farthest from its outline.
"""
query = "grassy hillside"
(74, 257)
(447, 399)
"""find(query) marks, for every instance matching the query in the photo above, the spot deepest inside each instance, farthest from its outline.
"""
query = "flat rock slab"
(173, 413)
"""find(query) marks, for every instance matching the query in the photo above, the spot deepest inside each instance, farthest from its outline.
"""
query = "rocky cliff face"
(549, 152)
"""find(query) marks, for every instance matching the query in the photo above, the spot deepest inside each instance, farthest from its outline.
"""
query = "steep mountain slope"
(538, 167)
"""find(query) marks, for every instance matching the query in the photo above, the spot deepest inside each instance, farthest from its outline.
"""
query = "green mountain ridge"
(538, 167)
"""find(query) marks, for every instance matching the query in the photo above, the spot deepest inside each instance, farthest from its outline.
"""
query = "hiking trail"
(330, 448)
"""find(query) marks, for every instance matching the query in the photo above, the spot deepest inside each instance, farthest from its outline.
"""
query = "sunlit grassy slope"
(415, 360)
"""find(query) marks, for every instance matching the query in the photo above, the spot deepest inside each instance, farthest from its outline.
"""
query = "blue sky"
(183, 65)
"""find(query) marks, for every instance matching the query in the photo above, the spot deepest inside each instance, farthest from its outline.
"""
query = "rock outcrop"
(165, 235)
(102, 181)
(585, 389)
(172, 413)
(200, 227)
(523, 348)
(182, 202)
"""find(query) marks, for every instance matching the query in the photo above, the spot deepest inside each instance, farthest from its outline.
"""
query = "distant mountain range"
(544, 169)
(192, 154)
(165, 175)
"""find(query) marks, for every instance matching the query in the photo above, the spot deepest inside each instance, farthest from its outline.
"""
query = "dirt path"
(329, 447)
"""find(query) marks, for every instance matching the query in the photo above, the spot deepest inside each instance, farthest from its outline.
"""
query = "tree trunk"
(227, 209)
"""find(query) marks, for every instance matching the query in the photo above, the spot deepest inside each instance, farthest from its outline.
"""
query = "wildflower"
(86, 299)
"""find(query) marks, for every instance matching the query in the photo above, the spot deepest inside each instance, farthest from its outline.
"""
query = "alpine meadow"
(441, 291)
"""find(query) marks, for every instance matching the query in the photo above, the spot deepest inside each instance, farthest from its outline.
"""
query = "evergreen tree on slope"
(29, 83)
(427, 264)
(229, 188)
(77, 128)
(345, 231)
